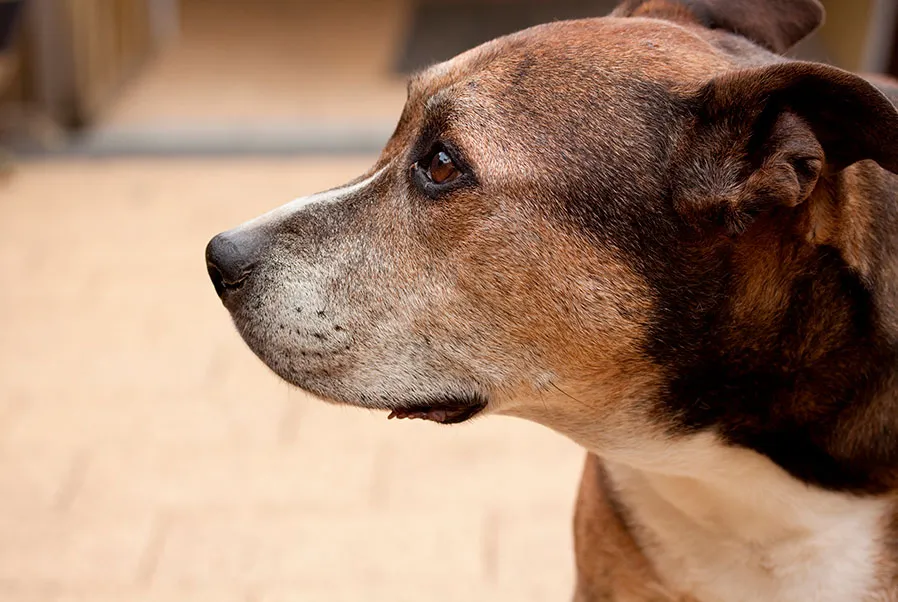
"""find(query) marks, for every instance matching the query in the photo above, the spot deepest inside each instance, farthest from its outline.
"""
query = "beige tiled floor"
(146, 456)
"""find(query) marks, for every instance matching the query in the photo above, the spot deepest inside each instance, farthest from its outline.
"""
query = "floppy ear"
(774, 24)
(761, 138)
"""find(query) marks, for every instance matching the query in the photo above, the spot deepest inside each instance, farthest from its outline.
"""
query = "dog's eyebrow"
(415, 81)
(438, 102)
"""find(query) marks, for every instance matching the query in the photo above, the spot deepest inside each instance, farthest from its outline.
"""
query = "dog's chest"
(754, 534)
(826, 567)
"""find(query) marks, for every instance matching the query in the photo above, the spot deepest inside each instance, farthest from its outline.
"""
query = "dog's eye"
(439, 171)
(442, 169)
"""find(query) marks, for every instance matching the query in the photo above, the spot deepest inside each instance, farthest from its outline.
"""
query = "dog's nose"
(230, 259)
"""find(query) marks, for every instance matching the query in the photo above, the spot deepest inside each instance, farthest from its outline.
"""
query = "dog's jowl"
(656, 235)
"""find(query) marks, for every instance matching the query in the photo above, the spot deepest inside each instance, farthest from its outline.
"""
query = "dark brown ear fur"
(763, 137)
(774, 24)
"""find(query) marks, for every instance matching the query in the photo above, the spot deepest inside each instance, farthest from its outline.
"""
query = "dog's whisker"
(568, 395)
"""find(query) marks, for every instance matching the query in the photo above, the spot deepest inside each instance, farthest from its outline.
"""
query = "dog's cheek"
(550, 308)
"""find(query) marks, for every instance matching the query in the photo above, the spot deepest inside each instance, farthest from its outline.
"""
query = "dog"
(656, 235)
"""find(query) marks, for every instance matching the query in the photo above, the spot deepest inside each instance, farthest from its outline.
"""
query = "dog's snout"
(230, 259)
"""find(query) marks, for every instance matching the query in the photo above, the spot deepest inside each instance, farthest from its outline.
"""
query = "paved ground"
(146, 456)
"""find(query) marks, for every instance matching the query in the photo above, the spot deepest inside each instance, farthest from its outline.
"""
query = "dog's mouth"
(445, 411)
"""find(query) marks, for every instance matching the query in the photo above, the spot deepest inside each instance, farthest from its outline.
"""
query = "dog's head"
(569, 224)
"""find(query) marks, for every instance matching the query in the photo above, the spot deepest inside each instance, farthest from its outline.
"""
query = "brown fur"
(662, 228)
(774, 24)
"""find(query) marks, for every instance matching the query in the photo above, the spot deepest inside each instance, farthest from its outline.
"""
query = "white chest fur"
(727, 525)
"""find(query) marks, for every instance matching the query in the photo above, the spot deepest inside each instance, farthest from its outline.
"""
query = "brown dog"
(651, 233)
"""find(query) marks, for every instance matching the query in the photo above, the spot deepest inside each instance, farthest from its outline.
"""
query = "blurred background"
(145, 454)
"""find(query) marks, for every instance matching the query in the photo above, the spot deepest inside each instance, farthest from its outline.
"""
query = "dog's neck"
(721, 523)
(791, 351)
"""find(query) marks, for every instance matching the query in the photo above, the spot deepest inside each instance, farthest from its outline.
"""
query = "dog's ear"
(774, 24)
(762, 138)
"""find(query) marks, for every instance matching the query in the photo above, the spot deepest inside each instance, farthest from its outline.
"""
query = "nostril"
(217, 279)
(231, 282)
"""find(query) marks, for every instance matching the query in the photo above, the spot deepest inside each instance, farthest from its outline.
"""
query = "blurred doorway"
(79, 53)
(893, 66)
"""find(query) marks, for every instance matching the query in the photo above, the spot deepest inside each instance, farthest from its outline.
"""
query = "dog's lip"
(452, 410)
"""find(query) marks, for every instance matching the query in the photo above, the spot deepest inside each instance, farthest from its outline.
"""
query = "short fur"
(667, 242)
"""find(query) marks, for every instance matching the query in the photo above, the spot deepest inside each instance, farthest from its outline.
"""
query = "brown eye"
(442, 170)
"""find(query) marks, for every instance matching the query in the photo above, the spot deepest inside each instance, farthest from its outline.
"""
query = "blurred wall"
(79, 52)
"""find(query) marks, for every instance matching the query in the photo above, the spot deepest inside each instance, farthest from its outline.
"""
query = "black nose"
(230, 259)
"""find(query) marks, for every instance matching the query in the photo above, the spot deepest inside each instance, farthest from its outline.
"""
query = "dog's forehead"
(512, 102)
(648, 49)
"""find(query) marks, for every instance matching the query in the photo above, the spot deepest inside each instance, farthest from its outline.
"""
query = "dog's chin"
(445, 409)
(449, 408)
(330, 385)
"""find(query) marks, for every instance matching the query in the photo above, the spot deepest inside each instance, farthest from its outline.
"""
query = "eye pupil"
(442, 169)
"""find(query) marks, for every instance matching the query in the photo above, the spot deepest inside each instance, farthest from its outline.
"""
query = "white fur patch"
(724, 524)
(296, 205)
